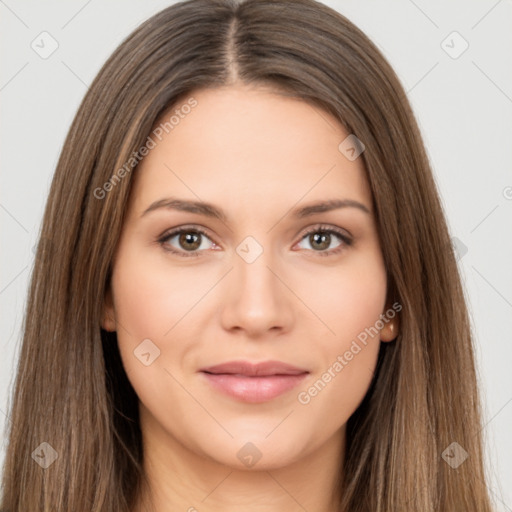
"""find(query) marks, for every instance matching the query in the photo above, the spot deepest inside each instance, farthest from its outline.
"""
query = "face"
(200, 299)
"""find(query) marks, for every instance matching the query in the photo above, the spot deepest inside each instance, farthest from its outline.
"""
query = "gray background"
(463, 104)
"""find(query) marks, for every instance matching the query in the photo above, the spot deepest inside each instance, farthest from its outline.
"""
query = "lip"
(254, 382)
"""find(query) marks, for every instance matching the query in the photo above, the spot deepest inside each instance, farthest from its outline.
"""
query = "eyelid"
(343, 234)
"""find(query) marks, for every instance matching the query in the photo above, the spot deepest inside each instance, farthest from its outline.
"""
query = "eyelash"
(347, 241)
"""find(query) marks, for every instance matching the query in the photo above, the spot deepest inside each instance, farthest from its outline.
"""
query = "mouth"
(254, 383)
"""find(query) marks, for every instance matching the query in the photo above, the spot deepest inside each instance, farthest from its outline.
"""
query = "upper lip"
(247, 368)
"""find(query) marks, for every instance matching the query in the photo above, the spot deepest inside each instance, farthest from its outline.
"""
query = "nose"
(257, 299)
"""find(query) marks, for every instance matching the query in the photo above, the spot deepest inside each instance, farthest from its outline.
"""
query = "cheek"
(351, 299)
(151, 297)
(348, 354)
(149, 302)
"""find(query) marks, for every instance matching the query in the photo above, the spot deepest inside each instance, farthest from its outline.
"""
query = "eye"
(189, 240)
(321, 238)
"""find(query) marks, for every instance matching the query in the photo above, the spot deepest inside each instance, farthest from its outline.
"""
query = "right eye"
(190, 240)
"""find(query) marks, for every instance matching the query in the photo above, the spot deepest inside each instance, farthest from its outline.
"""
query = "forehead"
(242, 145)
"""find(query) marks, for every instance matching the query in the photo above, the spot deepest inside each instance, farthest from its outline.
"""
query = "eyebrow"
(209, 210)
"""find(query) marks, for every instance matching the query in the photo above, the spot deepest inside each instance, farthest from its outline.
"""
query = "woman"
(245, 294)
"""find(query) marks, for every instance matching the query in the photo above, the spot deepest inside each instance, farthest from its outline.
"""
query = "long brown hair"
(71, 390)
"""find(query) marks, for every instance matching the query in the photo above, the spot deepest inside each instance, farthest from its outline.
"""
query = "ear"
(390, 330)
(108, 320)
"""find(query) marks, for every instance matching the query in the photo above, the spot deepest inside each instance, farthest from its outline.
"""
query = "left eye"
(321, 239)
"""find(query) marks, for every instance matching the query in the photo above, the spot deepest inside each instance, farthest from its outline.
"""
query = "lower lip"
(254, 389)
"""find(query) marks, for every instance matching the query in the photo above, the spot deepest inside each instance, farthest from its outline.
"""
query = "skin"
(257, 155)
